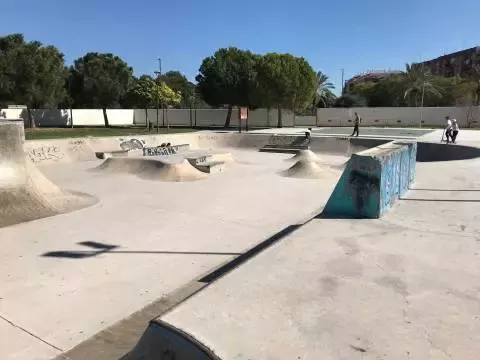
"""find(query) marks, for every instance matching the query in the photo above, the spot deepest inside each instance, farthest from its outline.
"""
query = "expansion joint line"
(11, 323)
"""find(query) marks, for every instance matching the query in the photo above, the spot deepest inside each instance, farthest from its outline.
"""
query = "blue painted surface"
(357, 193)
(370, 184)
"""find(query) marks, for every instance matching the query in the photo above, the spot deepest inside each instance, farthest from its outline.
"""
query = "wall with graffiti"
(373, 181)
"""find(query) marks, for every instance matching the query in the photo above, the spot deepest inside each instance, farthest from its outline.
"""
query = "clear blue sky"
(357, 35)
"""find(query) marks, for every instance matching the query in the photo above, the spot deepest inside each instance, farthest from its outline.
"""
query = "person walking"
(356, 126)
(448, 129)
(455, 130)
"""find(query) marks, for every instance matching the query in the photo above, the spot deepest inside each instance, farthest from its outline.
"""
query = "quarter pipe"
(25, 193)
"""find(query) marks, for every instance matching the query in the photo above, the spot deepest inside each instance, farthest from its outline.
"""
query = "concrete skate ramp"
(59, 150)
(25, 193)
(308, 169)
(431, 152)
(343, 145)
(85, 149)
(152, 169)
(372, 181)
(304, 155)
(163, 341)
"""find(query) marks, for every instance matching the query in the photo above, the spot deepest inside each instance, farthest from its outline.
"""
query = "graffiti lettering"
(208, 137)
(45, 153)
(77, 142)
(132, 144)
(201, 160)
(363, 186)
(162, 150)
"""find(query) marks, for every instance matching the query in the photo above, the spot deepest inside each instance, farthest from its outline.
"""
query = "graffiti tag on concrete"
(45, 153)
(132, 144)
(162, 150)
(77, 142)
(363, 186)
(208, 137)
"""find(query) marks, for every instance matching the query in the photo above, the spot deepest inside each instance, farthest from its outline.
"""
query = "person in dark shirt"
(357, 122)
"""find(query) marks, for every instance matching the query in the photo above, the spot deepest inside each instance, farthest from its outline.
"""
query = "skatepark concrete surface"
(65, 278)
(403, 287)
(330, 289)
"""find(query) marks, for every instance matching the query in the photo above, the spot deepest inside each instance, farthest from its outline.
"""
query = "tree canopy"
(100, 81)
(179, 83)
(228, 77)
(30, 73)
(35, 75)
(416, 87)
(285, 81)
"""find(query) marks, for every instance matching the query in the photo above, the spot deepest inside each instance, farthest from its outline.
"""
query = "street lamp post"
(158, 73)
(423, 94)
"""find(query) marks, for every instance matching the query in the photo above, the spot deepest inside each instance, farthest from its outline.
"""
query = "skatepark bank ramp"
(25, 193)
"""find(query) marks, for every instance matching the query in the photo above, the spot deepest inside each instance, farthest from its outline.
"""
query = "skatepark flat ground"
(67, 277)
(378, 132)
(402, 287)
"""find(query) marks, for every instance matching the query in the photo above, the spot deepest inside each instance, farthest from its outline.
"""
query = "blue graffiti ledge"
(373, 180)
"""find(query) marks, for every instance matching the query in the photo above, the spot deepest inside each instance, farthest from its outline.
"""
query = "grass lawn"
(61, 133)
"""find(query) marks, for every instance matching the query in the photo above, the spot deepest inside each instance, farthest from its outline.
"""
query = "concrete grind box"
(373, 180)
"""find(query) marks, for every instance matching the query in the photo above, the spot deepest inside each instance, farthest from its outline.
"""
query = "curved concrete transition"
(25, 193)
(430, 152)
(163, 341)
(152, 169)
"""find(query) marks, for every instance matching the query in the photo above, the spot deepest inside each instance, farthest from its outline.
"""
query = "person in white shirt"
(448, 129)
(455, 130)
(308, 134)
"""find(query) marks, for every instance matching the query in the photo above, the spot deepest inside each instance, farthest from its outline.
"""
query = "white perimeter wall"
(403, 116)
(259, 118)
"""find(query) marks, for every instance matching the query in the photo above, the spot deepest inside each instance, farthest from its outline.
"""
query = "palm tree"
(417, 83)
(324, 89)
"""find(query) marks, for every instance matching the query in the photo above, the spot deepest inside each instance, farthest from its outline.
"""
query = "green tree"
(474, 78)
(350, 100)
(31, 74)
(100, 80)
(383, 93)
(228, 78)
(417, 84)
(324, 95)
(149, 92)
(285, 81)
(178, 82)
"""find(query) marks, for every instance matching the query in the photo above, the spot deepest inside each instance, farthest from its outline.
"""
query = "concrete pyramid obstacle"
(305, 155)
(307, 169)
(152, 169)
(25, 193)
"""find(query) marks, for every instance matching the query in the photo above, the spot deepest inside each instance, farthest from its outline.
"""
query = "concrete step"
(211, 167)
(285, 150)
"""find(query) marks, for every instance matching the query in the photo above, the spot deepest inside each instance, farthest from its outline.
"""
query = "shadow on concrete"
(99, 249)
(129, 337)
(440, 200)
(226, 268)
(433, 152)
(447, 190)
